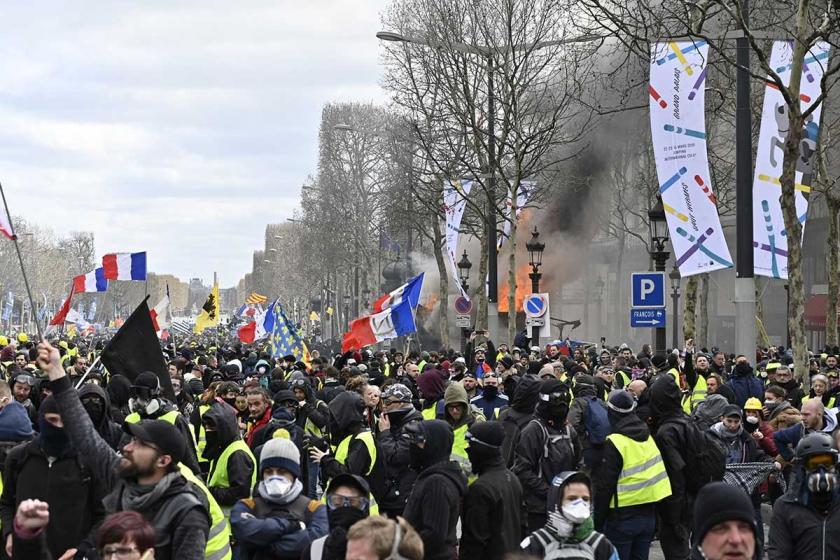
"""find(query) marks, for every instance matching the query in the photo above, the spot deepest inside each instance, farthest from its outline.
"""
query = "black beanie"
(49, 405)
(718, 502)
(552, 386)
(490, 432)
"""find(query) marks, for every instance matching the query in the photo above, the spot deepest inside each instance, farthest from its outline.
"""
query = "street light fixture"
(675, 277)
(464, 266)
(658, 238)
(347, 310)
(535, 249)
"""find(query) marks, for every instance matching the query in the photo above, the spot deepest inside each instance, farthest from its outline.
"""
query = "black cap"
(490, 433)
(733, 410)
(350, 480)
(162, 435)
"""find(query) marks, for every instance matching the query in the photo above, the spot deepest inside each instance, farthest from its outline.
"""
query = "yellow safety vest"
(170, 417)
(309, 426)
(219, 471)
(341, 456)
(218, 540)
(386, 369)
(430, 413)
(830, 404)
(643, 478)
(202, 435)
(624, 378)
(698, 395)
(459, 452)
(421, 364)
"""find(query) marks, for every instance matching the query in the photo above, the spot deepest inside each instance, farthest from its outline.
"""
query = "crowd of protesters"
(559, 451)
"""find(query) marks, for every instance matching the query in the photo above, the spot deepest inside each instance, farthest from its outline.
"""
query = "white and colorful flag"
(160, 314)
(769, 233)
(125, 266)
(77, 318)
(394, 322)
(93, 281)
(409, 291)
(678, 130)
(454, 202)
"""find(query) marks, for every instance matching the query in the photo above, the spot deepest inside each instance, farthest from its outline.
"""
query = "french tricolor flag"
(409, 291)
(125, 266)
(391, 323)
(93, 281)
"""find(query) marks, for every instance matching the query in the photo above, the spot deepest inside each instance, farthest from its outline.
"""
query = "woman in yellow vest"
(819, 389)
(233, 467)
(630, 480)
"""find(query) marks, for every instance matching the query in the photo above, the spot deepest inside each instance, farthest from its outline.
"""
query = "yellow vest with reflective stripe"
(170, 417)
(643, 478)
(624, 378)
(219, 471)
(218, 540)
(341, 456)
(459, 452)
(202, 435)
(830, 404)
(430, 413)
(698, 395)
(309, 426)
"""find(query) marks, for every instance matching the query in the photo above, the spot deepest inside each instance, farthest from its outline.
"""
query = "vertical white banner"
(769, 233)
(678, 130)
(454, 201)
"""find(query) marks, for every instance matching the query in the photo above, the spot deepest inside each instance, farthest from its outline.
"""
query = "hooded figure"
(709, 411)
(491, 520)
(569, 527)
(456, 396)
(584, 391)
(343, 511)
(431, 387)
(434, 504)
(355, 448)
(98, 406)
(547, 446)
(232, 472)
(119, 391)
(518, 414)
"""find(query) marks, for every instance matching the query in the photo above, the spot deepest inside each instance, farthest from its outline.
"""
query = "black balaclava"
(438, 438)
(95, 408)
(53, 440)
(490, 393)
(553, 406)
(485, 446)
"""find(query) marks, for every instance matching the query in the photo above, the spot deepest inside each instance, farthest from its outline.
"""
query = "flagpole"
(20, 259)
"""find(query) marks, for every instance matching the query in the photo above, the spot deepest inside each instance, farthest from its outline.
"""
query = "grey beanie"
(282, 453)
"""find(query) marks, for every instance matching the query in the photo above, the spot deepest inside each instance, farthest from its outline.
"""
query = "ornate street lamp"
(675, 277)
(658, 238)
(535, 249)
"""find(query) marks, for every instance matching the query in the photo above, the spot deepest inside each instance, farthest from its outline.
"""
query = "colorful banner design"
(769, 234)
(678, 131)
(454, 202)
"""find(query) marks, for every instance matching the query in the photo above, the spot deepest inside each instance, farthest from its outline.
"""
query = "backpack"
(597, 421)
(705, 457)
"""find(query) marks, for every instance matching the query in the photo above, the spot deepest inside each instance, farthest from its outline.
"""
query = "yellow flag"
(209, 316)
(313, 316)
(330, 311)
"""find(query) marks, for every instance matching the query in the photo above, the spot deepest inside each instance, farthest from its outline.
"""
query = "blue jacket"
(745, 386)
(787, 439)
(488, 406)
(14, 423)
(275, 537)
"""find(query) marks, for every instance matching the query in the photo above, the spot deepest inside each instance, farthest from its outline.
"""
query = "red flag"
(59, 318)
(247, 334)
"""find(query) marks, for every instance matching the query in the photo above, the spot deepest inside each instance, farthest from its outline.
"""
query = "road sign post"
(536, 308)
(648, 301)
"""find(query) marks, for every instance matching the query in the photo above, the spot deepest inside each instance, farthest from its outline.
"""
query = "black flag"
(135, 349)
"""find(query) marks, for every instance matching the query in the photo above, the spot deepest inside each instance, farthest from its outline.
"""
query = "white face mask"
(768, 401)
(277, 485)
(752, 420)
(577, 511)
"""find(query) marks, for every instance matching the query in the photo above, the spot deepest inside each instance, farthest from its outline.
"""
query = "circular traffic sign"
(463, 305)
(534, 305)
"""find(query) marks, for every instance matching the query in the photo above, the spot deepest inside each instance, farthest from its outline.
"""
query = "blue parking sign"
(648, 289)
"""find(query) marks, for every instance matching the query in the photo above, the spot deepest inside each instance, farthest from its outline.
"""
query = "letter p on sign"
(648, 289)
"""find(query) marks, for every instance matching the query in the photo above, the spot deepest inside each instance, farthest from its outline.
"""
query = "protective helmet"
(23, 338)
(753, 404)
(818, 443)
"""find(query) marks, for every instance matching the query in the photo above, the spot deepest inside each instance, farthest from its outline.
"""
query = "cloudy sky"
(179, 128)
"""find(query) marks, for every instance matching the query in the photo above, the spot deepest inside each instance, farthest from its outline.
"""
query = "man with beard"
(49, 469)
(434, 504)
(348, 502)
(394, 447)
(146, 479)
(491, 522)
(785, 380)
(232, 472)
(547, 446)
(22, 385)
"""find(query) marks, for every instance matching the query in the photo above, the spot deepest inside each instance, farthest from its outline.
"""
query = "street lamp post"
(535, 249)
(658, 239)
(347, 310)
(599, 292)
(464, 266)
(674, 275)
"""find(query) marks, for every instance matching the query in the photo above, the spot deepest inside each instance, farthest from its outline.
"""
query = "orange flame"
(431, 300)
(523, 288)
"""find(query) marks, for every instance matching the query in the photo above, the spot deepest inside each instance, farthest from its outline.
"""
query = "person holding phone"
(398, 412)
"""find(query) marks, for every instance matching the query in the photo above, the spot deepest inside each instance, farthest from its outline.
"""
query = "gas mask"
(143, 406)
(822, 481)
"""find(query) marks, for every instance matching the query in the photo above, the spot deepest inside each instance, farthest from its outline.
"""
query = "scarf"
(291, 495)
(138, 497)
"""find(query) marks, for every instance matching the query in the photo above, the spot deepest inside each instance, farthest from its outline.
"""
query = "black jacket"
(544, 452)
(240, 466)
(670, 423)
(107, 428)
(491, 526)
(398, 476)
(313, 409)
(799, 530)
(73, 492)
(435, 502)
(518, 414)
(611, 464)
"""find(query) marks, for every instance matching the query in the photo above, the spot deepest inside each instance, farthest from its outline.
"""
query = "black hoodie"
(670, 423)
(240, 465)
(435, 502)
(119, 391)
(107, 428)
(347, 419)
(521, 410)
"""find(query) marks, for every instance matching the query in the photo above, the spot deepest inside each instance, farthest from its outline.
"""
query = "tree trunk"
(760, 333)
(796, 313)
(443, 300)
(690, 308)
(833, 256)
(512, 270)
(703, 310)
(617, 299)
(481, 286)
